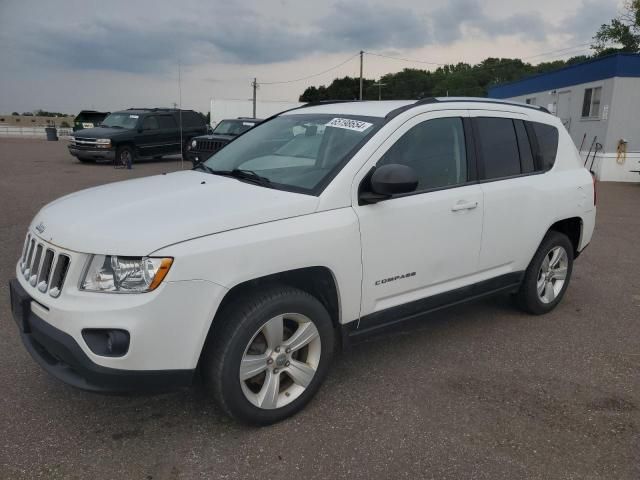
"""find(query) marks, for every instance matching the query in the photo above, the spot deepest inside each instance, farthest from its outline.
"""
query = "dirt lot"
(479, 391)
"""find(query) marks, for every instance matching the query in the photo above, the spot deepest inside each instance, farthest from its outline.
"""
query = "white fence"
(31, 132)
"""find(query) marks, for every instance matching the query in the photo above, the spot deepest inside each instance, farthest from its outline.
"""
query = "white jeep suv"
(317, 227)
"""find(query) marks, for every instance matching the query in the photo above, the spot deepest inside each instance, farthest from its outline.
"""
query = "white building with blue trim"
(599, 103)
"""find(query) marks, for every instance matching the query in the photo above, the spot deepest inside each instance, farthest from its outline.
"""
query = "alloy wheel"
(552, 274)
(280, 361)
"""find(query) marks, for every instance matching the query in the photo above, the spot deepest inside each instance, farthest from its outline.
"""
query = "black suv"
(203, 147)
(138, 133)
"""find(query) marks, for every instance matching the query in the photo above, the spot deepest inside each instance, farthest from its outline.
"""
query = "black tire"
(527, 297)
(86, 160)
(121, 156)
(235, 327)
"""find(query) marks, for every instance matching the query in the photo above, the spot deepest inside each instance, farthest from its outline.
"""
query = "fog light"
(107, 342)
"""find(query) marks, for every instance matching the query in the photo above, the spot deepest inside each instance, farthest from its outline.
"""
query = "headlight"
(103, 142)
(111, 273)
(193, 143)
(72, 139)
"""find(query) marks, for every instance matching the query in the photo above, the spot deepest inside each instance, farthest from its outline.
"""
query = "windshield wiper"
(206, 168)
(239, 173)
(251, 176)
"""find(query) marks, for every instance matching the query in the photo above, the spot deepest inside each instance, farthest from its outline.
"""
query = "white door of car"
(426, 242)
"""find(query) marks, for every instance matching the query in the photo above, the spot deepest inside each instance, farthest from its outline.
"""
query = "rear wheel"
(268, 354)
(547, 277)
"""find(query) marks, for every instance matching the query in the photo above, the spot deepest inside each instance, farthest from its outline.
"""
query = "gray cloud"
(450, 21)
(241, 35)
(355, 25)
(593, 13)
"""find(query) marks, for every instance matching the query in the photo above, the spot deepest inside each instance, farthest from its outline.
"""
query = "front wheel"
(124, 157)
(268, 354)
(547, 277)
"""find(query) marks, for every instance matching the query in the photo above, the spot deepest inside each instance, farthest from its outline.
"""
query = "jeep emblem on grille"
(40, 227)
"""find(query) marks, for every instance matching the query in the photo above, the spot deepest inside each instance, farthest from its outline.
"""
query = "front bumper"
(93, 153)
(60, 355)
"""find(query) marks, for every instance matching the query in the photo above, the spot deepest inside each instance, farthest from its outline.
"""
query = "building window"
(530, 101)
(591, 102)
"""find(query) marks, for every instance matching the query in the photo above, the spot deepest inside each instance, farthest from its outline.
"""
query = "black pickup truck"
(138, 133)
(203, 147)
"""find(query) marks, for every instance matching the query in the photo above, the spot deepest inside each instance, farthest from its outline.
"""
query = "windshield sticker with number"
(349, 124)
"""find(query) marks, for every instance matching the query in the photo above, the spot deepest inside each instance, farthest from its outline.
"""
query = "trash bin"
(52, 134)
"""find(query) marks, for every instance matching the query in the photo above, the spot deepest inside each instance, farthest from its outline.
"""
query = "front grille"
(43, 266)
(209, 145)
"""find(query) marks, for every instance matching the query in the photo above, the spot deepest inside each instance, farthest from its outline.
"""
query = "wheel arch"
(318, 281)
(572, 228)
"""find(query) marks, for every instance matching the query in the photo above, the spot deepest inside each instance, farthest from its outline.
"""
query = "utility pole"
(254, 84)
(380, 85)
(361, 60)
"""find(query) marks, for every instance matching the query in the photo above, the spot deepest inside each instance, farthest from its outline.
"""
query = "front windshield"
(233, 127)
(120, 120)
(295, 151)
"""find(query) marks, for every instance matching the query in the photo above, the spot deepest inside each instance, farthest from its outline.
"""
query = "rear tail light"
(595, 191)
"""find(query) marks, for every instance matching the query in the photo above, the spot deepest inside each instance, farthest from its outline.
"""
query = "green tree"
(622, 34)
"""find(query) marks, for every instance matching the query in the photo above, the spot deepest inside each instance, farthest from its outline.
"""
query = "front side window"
(498, 147)
(297, 152)
(150, 123)
(121, 120)
(435, 150)
(591, 102)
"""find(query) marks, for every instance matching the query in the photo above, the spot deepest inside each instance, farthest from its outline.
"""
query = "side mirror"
(388, 180)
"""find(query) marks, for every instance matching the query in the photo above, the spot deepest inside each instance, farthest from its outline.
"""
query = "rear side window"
(498, 147)
(192, 119)
(547, 145)
(167, 121)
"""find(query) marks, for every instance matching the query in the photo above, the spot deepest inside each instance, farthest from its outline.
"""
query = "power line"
(560, 50)
(312, 76)
(411, 60)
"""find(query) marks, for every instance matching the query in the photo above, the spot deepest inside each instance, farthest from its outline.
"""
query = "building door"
(564, 108)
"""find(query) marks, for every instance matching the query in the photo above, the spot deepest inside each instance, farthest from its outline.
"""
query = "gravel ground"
(478, 391)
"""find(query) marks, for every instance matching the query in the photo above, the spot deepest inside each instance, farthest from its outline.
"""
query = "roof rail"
(397, 111)
(494, 101)
(427, 100)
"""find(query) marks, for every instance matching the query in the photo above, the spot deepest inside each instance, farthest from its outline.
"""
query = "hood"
(138, 217)
(99, 132)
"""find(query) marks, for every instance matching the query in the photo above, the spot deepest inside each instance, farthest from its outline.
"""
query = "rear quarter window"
(547, 145)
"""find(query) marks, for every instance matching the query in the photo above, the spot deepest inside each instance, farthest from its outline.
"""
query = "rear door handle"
(462, 205)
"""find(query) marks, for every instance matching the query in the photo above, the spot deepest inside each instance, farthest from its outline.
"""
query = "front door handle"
(462, 205)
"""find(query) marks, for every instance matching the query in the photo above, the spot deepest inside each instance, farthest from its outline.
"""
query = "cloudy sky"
(67, 55)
